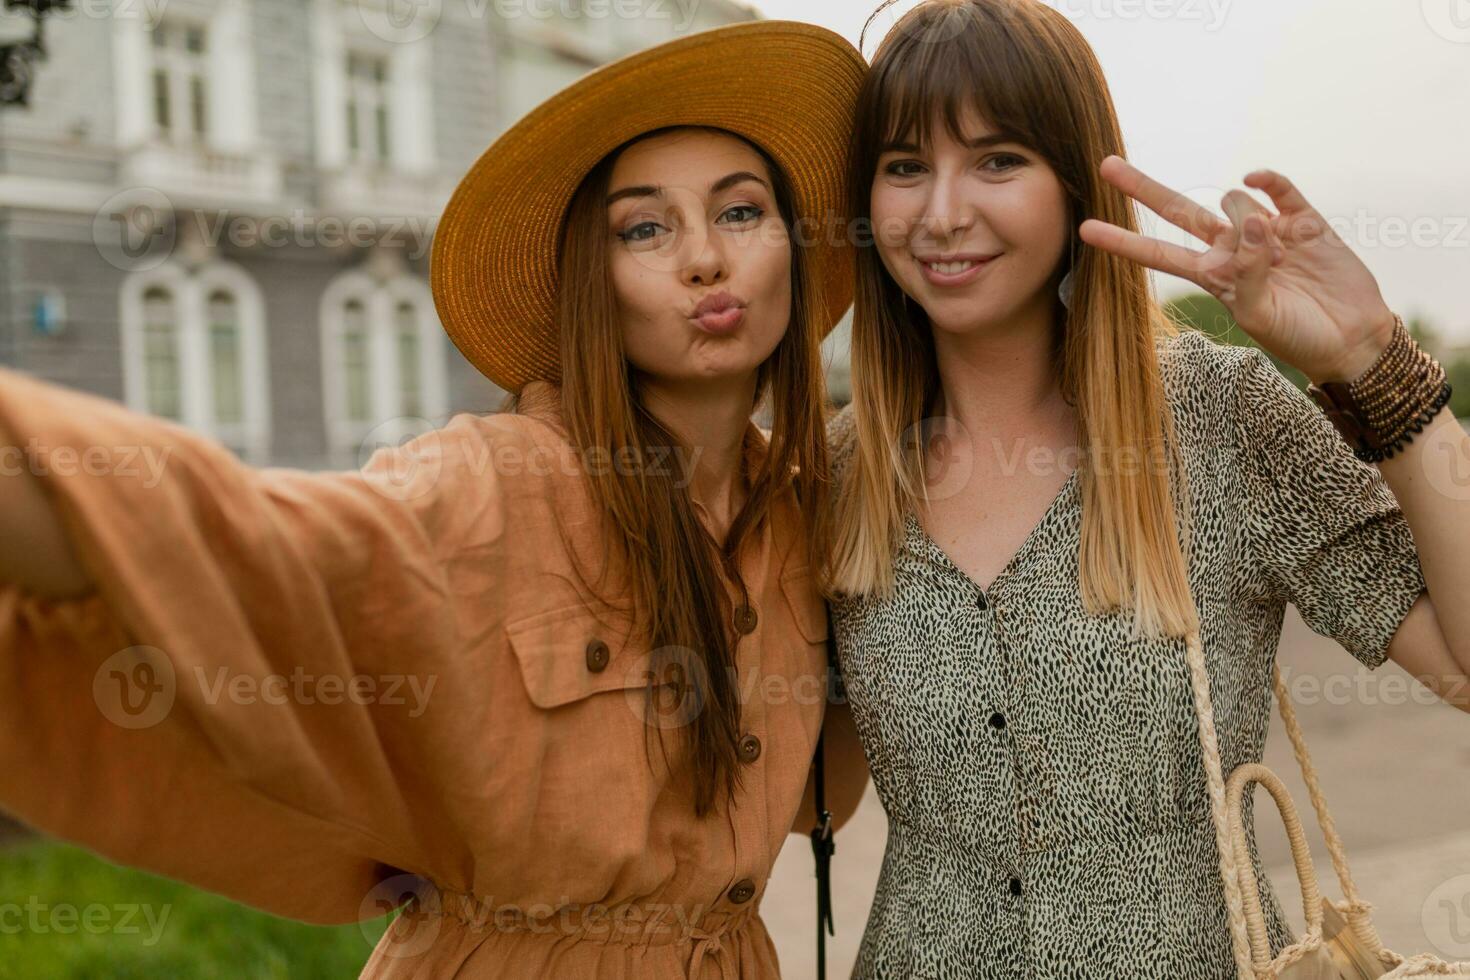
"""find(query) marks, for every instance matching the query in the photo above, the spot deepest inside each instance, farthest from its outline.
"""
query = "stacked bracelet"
(1380, 412)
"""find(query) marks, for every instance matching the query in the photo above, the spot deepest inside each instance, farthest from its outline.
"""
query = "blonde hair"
(1031, 74)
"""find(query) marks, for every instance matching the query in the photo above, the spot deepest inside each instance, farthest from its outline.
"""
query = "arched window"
(410, 375)
(226, 367)
(356, 367)
(384, 369)
(194, 351)
(163, 393)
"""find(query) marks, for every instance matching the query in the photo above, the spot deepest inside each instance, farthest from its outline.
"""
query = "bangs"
(936, 70)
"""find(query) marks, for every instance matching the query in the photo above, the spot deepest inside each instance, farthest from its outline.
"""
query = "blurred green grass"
(1204, 312)
(86, 933)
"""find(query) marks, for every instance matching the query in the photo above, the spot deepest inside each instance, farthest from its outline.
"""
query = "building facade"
(220, 211)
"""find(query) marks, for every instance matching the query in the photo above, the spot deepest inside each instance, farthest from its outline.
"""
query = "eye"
(1014, 160)
(641, 232)
(896, 168)
(754, 212)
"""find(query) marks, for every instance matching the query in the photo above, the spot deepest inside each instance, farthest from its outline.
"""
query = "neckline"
(937, 554)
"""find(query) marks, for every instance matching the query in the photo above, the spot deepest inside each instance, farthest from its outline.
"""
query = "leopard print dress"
(1040, 768)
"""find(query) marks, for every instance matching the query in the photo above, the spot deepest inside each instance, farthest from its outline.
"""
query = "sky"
(1364, 104)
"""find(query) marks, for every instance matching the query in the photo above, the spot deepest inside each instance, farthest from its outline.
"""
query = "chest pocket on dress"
(578, 771)
(567, 653)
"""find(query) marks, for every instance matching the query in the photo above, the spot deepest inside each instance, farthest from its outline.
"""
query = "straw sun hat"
(788, 87)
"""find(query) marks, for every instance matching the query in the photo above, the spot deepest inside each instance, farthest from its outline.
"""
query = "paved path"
(1395, 771)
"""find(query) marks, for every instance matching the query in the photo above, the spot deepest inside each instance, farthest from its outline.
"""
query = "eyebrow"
(655, 190)
(977, 143)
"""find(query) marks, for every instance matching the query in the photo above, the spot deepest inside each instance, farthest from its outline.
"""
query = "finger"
(1237, 204)
(1283, 192)
(1163, 256)
(1252, 265)
(1168, 204)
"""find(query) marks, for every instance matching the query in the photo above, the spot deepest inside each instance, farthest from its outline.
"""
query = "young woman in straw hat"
(1059, 514)
(557, 673)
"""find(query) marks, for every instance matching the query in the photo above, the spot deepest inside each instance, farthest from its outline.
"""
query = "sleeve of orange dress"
(253, 697)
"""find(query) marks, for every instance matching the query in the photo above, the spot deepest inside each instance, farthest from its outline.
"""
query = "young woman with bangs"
(1063, 521)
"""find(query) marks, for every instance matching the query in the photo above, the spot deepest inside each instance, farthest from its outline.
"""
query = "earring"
(1064, 288)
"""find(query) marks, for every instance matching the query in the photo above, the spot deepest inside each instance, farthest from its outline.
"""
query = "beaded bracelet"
(1381, 411)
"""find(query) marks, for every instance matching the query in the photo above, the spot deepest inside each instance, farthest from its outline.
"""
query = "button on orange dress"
(310, 692)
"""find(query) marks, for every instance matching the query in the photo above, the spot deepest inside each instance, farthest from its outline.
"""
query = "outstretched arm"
(252, 680)
(37, 556)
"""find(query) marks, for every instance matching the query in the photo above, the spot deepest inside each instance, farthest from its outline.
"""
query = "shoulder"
(1220, 390)
(841, 439)
(1192, 357)
(500, 471)
(841, 431)
(520, 454)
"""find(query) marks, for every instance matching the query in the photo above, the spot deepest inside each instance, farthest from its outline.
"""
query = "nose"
(707, 263)
(948, 213)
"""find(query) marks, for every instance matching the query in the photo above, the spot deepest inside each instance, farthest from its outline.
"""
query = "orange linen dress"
(316, 692)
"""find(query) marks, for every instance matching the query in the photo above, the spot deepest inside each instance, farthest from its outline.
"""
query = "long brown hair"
(1027, 71)
(669, 559)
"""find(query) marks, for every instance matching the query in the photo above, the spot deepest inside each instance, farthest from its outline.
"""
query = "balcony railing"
(199, 174)
(382, 192)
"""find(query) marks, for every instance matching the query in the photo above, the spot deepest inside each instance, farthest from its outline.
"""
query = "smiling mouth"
(954, 273)
(956, 266)
(952, 268)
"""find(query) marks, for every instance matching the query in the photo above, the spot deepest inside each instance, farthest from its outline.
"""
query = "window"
(372, 89)
(356, 372)
(367, 108)
(180, 71)
(161, 354)
(409, 374)
(224, 358)
(384, 371)
(194, 352)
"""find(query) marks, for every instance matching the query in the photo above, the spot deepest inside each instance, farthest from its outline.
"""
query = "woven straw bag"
(1340, 942)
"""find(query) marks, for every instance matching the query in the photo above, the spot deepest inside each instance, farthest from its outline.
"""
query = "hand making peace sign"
(1287, 278)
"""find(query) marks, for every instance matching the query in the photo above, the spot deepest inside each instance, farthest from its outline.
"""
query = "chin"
(960, 317)
(712, 371)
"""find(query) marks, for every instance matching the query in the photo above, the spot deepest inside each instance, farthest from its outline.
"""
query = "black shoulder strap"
(823, 845)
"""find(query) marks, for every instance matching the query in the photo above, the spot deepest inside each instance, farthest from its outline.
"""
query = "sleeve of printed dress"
(253, 696)
(1322, 526)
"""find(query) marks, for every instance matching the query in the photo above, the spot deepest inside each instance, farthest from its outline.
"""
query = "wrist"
(1385, 404)
(1355, 365)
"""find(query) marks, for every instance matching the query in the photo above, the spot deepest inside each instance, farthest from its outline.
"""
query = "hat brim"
(788, 87)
